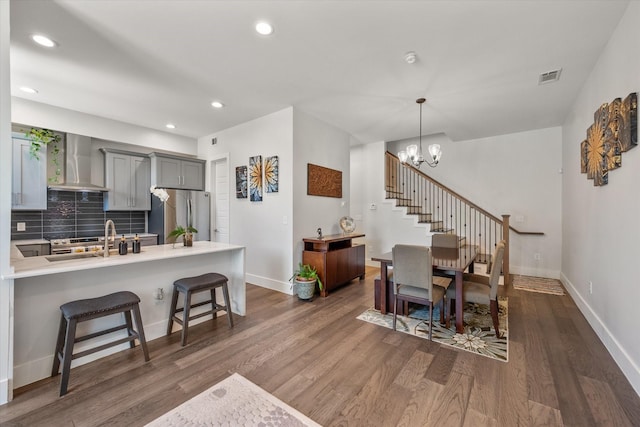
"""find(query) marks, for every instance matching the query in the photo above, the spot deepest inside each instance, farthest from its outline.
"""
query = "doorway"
(220, 209)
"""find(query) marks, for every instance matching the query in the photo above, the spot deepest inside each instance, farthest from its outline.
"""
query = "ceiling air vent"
(549, 76)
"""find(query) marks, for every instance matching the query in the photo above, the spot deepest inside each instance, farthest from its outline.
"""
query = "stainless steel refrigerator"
(185, 208)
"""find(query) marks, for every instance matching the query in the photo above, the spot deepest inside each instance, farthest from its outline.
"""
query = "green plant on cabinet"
(40, 138)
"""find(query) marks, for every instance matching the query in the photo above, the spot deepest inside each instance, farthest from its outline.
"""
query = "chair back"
(412, 266)
(445, 240)
(496, 269)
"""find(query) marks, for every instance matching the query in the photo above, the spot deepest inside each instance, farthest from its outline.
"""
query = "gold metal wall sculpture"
(614, 131)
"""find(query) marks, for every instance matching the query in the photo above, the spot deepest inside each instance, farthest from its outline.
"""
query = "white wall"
(272, 230)
(6, 286)
(264, 228)
(385, 225)
(31, 113)
(601, 225)
(324, 145)
(516, 174)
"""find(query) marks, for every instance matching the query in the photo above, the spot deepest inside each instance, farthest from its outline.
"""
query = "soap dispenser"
(122, 248)
(136, 245)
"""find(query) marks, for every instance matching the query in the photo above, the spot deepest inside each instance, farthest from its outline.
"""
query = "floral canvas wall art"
(255, 178)
(241, 182)
(271, 174)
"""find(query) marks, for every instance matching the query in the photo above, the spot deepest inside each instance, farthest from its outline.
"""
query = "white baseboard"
(265, 282)
(626, 363)
(6, 389)
(536, 272)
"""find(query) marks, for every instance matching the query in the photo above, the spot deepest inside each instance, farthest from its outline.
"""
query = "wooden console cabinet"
(336, 258)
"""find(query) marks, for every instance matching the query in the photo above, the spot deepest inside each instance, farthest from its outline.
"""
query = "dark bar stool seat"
(191, 285)
(93, 308)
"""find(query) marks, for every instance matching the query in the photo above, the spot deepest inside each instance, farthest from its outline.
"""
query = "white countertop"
(38, 266)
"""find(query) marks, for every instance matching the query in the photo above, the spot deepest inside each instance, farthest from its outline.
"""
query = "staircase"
(445, 211)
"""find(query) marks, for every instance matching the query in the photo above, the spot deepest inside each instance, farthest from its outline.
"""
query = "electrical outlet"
(590, 287)
(21, 226)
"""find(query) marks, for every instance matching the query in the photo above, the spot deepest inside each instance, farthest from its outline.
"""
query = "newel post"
(505, 259)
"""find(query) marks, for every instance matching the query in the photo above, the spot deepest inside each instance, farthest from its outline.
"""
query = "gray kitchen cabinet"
(177, 172)
(29, 179)
(128, 177)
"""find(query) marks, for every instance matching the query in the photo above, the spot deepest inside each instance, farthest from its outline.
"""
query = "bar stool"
(82, 310)
(191, 285)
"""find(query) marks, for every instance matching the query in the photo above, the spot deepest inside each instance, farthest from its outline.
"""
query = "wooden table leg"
(383, 288)
(459, 303)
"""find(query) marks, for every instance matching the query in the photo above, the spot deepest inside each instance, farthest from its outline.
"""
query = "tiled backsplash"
(71, 214)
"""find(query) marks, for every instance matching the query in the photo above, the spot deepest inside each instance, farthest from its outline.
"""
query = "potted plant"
(186, 233)
(305, 278)
(40, 139)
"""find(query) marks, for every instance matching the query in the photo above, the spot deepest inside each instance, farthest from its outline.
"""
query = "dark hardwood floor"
(341, 371)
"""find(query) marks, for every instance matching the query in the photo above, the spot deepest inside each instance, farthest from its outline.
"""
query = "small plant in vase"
(186, 233)
(305, 278)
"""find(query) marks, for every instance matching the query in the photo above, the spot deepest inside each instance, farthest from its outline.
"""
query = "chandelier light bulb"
(413, 153)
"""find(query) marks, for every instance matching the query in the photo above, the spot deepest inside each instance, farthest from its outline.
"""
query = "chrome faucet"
(106, 236)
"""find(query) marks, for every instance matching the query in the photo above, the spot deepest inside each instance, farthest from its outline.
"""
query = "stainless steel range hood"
(77, 155)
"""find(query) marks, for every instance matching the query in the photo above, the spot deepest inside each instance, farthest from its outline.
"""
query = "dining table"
(453, 260)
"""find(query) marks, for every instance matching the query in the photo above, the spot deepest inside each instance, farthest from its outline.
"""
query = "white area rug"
(235, 401)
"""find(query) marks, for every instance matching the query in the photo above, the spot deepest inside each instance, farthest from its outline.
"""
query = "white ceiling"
(153, 62)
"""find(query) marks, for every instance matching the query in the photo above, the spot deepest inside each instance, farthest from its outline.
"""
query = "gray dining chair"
(445, 240)
(413, 280)
(481, 289)
(448, 241)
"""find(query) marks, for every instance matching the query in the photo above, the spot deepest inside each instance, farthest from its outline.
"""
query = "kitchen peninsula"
(41, 286)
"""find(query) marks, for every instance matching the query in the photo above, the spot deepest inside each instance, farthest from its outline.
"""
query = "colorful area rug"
(538, 284)
(234, 401)
(479, 336)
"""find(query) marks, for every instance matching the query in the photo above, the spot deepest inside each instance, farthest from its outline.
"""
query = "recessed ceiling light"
(170, 126)
(264, 28)
(28, 89)
(217, 104)
(43, 40)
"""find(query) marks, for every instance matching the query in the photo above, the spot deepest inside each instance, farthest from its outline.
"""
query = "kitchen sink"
(67, 257)
(82, 255)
